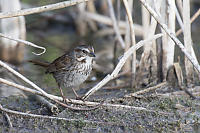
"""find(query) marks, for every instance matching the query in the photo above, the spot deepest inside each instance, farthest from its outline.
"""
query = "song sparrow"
(71, 69)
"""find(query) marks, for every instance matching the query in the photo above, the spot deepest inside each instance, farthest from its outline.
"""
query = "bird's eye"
(84, 51)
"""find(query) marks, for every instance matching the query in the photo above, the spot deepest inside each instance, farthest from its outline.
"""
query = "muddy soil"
(162, 115)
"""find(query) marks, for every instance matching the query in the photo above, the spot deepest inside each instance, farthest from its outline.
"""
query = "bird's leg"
(77, 96)
(64, 99)
(75, 92)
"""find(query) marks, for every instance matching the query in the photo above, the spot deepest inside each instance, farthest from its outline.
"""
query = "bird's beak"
(92, 54)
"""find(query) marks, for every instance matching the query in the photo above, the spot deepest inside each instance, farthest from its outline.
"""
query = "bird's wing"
(60, 63)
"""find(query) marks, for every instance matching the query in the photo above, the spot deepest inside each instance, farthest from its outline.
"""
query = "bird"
(71, 69)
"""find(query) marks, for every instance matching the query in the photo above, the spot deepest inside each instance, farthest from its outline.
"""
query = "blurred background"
(61, 30)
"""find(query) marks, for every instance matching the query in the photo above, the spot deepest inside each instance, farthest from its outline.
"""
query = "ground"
(167, 114)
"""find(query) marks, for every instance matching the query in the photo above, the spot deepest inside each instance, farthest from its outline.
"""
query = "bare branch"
(41, 116)
(25, 42)
(119, 65)
(52, 97)
(40, 9)
(8, 119)
(52, 107)
(35, 86)
(22, 77)
(146, 90)
(72, 100)
(28, 89)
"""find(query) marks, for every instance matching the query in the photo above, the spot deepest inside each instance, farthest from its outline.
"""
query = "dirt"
(162, 115)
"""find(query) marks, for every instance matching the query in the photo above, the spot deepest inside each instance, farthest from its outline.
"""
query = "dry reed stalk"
(173, 37)
(80, 20)
(39, 91)
(180, 6)
(22, 77)
(35, 86)
(119, 66)
(179, 18)
(45, 8)
(115, 26)
(194, 17)
(72, 100)
(163, 13)
(168, 43)
(147, 48)
(12, 51)
(188, 41)
(91, 8)
(127, 65)
(133, 41)
(146, 25)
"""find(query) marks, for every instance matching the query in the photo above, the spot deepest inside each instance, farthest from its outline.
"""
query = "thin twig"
(96, 104)
(42, 116)
(172, 35)
(194, 91)
(23, 88)
(36, 87)
(25, 42)
(194, 17)
(22, 77)
(8, 119)
(40, 9)
(145, 90)
(178, 16)
(119, 65)
(60, 118)
(52, 107)
(115, 26)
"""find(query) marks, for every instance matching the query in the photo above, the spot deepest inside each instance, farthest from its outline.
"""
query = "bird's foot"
(80, 98)
(64, 99)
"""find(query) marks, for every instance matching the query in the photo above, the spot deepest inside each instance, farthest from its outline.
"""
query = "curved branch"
(119, 65)
(25, 42)
(40, 9)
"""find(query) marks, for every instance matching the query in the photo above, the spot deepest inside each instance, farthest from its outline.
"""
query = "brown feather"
(59, 63)
(43, 64)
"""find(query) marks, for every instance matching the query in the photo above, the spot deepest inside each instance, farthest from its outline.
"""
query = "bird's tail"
(43, 64)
